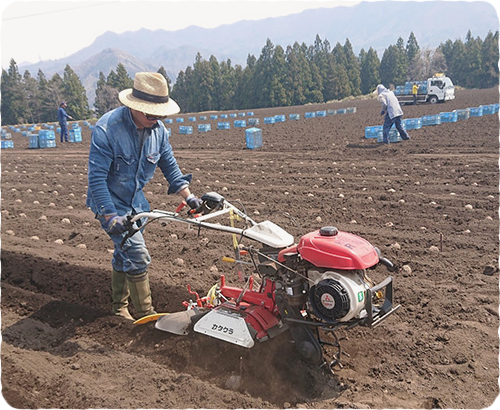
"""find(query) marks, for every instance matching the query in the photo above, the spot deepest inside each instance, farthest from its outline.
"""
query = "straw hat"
(149, 95)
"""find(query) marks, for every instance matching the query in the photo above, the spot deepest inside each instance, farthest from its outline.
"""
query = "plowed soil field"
(430, 203)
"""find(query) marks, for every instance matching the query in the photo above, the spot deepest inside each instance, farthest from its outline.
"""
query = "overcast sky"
(47, 30)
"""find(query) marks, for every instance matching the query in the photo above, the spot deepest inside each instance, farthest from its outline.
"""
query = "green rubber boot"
(140, 294)
(120, 291)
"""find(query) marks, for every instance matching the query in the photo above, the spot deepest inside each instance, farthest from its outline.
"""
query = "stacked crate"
(185, 129)
(204, 127)
(7, 140)
(46, 139)
(75, 135)
(253, 137)
(223, 125)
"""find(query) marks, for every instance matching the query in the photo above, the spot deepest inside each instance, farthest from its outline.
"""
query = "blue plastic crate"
(185, 129)
(393, 136)
(294, 116)
(223, 125)
(233, 115)
(269, 120)
(320, 113)
(431, 120)
(253, 137)
(223, 115)
(179, 120)
(213, 117)
(75, 135)
(46, 143)
(463, 114)
(250, 113)
(7, 144)
(204, 127)
(310, 115)
(203, 117)
(331, 112)
(279, 118)
(46, 135)
(476, 111)
(253, 121)
(240, 124)
(241, 114)
(169, 120)
(33, 141)
(350, 110)
(192, 119)
(489, 109)
(412, 123)
(449, 116)
(372, 132)
(341, 111)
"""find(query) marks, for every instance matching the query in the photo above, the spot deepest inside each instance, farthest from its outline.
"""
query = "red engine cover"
(341, 251)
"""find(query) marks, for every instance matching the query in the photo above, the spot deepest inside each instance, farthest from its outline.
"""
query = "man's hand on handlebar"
(193, 201)
(117, 225)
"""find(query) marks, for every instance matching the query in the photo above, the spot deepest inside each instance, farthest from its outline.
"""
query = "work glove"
(193, 201)
(117, 225)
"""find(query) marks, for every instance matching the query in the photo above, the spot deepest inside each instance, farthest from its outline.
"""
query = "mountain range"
(376, 24)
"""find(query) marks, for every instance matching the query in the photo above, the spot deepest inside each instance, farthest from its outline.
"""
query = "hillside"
(375, 24)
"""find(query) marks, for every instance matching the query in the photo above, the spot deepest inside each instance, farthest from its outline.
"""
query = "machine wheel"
(433, 99)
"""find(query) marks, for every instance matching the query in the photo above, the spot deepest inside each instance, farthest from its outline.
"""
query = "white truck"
(438, 88)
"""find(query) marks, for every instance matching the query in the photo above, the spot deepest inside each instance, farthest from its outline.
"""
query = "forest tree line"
(295, 75)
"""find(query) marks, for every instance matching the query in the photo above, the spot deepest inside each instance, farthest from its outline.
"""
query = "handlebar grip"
(181, 206)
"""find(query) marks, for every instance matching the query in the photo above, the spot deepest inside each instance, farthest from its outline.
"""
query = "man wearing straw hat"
(128, 143)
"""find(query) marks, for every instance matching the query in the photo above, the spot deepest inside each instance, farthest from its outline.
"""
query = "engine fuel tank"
(334, 249)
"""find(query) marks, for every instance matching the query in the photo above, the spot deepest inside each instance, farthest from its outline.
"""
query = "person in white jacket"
(393, 113)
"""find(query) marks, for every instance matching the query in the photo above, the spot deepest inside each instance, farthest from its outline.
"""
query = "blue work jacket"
(119, 168)
(62, 116)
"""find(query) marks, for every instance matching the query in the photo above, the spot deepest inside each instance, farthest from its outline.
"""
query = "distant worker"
(393, 113)
(62, 117)
(414, 91)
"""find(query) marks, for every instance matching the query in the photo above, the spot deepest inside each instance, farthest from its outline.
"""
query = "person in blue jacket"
(62, 117)
(127, 145)
(393, 113)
